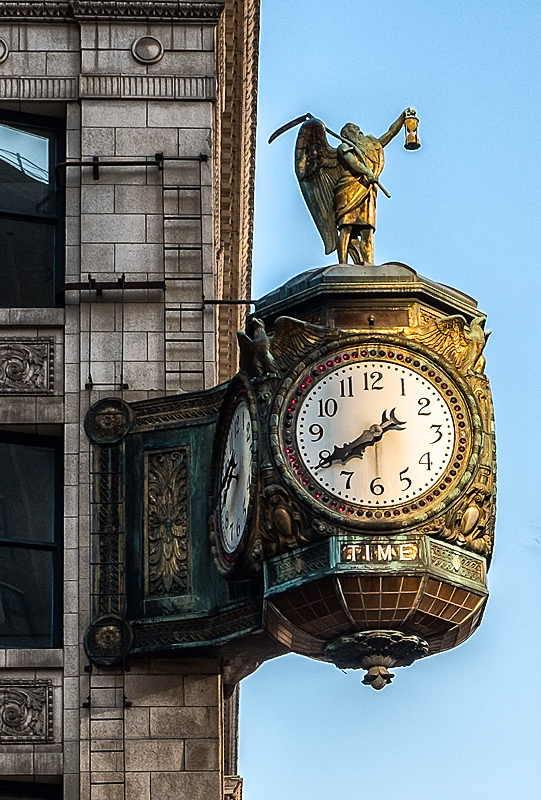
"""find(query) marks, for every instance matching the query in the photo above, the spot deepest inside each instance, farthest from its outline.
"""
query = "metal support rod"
(228, 302)
(155, 161)
(99, 286)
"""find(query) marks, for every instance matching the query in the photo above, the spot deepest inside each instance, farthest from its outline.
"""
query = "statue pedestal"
(348, 296)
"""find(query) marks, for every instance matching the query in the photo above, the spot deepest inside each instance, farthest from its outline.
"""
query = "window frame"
(56, 545)
(34, 123)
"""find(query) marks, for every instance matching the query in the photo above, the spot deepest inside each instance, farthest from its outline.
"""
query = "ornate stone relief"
(156, 87)
(150, 86)
(232, 787)
(26, 712)
(27, 366)
(237, 57)
(80, 9)
(41, 88)
(166, 510)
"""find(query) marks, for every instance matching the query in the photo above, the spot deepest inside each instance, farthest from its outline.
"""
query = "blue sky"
(465, 211)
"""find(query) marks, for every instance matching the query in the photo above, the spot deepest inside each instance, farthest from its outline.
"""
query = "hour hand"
(370, 436)
(229, 476)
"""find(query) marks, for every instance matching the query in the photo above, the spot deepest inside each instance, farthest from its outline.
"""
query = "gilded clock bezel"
(239, 389)
(383, 348)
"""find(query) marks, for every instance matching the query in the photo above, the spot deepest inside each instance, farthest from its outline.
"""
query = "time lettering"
(370, 552)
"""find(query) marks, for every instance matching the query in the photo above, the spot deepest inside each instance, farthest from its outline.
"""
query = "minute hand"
(370, 436)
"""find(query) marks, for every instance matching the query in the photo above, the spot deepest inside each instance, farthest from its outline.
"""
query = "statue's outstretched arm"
(393, 130)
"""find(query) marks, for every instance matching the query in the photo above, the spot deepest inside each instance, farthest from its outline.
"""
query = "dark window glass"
(27, 488)
(28, 256)
(15, 790)
(29, 517)
(30, 212)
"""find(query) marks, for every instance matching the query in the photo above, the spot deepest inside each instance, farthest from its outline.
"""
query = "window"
(11, 790)
(30, 211)
(30, 518)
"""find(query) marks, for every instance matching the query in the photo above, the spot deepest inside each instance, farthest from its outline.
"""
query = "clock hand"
(228, 477)
(370, 436)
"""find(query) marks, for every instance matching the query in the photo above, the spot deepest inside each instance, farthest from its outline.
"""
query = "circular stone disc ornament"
(4, 51)
(108, 640)
(377, 436)
(108, 421)
(147, 50)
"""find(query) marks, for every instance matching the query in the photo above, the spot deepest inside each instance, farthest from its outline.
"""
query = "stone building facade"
(127, 136)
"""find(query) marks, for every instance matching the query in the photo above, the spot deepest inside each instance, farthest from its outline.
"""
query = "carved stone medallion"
(26, 712)
(27, 366)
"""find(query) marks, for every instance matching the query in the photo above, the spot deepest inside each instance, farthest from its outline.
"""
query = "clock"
(377, 435)
(235, 472)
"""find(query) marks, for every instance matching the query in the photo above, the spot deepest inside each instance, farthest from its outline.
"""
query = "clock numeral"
(376, 488)
(323, 457)
(346, 384)
(403, 385)
(425, 459)
(438, 432)
(348, 479)
(328, 408)
(317, 431)
(375, 377)
(424, 402)
(403, 477)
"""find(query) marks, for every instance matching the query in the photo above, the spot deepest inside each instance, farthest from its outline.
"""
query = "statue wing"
(292, 338)
(317, 169)
(448, 336)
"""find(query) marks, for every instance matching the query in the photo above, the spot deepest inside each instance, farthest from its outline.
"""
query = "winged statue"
(460, 343)
(262, 354)
(339, 184)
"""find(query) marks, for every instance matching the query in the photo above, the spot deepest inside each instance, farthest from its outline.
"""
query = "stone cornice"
(92, 9)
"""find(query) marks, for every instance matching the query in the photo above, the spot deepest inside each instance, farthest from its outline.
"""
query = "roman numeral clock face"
(378, 434)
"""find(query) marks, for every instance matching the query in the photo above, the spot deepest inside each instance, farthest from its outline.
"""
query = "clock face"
(235, 477)
(376, 434)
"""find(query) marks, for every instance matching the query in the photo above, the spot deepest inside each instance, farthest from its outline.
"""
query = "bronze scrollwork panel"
(166, 522)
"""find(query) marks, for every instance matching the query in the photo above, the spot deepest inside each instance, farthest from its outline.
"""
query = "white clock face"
(375, 433)
(235, 477)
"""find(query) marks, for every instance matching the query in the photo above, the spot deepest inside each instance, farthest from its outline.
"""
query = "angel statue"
(340, 184)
